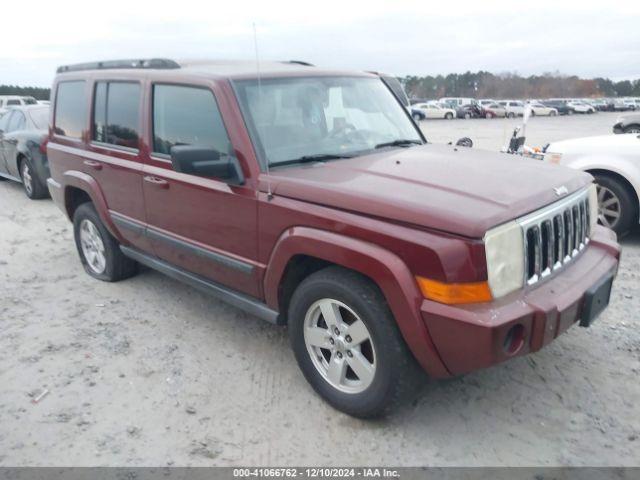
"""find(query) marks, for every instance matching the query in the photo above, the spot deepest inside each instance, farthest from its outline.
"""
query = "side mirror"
(206, 162)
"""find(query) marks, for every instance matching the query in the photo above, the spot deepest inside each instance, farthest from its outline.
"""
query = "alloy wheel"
(340, 346)
(27, 179)
(92, 246)
(609, 208)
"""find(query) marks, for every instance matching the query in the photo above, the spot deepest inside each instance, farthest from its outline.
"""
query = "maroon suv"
(310, 198)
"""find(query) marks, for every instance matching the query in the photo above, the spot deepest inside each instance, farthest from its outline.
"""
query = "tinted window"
(39, 117)
(13, 102)
(116, 108)
(30, 101)
(17, 122)
(4, 121)
(70, 109)
(187, 116)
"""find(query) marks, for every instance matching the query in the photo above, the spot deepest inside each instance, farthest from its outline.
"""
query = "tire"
(627, 210)
(570, 112)
(33, 186)
(448, 116)
(396, 374)
(416, 117)
(511, 115)
(552, 113)
(489, 115)
(89, 229)
(467, 116)
(632, 129)
(533, 113)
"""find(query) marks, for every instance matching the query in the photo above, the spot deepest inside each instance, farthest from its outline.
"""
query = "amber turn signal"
(455, 293)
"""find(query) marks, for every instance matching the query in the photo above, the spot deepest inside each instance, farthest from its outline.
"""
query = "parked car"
(7, 101)
(431, 110)
(469, 111)
(599, 104)
(379, 251)
(629, 103)
(581, 107)
(538, 108)
(23, 133)
(613, 161)
(561, 106)
(493, 110)
(457, 102)
(627, 124)
(514, 108)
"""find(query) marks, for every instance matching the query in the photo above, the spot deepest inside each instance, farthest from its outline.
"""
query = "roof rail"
(300, 62)
(155, 63)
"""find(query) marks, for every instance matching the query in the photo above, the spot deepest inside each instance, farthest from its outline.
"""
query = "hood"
(626, 144)
(451, 189)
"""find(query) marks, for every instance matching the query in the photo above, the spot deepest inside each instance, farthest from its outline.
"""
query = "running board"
(232, 297)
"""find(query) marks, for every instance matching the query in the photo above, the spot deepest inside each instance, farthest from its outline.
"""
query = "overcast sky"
(398, 37)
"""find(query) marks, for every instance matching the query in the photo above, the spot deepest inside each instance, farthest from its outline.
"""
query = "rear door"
(200, 224)
(4, 124)
(17, 123)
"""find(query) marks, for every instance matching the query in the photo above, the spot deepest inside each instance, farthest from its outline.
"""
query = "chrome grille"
(555, 235)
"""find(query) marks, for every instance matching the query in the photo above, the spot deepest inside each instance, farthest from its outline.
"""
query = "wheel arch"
(311, 249)
(80, 188)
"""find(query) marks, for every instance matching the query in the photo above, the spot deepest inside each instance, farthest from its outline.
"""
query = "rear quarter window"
(70, 109)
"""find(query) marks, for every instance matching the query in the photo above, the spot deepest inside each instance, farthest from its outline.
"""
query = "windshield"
(293, 118)
(40, 117)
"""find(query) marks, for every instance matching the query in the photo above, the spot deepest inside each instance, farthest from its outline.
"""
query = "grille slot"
(555, 235)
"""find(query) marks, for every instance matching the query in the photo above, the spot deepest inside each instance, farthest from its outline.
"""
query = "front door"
(200, 224)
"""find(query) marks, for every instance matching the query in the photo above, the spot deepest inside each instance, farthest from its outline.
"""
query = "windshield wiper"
(402, 142)
(318, 157)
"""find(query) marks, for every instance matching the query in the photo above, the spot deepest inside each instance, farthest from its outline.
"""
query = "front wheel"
(511, 115)
(552, 113)
(347, 344)
(448, 116)
(632, 129)
(99, 251)
(416, 117)
(616, 207)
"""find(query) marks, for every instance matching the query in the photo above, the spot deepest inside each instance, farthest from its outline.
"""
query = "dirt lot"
(151, 372)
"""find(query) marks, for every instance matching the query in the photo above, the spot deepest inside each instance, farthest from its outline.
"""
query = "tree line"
(511, 85)
(36, 92)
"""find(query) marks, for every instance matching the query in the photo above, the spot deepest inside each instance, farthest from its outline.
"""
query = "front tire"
(99, 251)
(416, 117)
(31, 183)
(632, 129)
(448, 116)
(511, 115)
(616, 207)
(347, 344)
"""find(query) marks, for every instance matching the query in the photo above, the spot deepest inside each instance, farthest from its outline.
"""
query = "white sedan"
(614, 161)
(432, 110)
(539, 109)
(581, 107)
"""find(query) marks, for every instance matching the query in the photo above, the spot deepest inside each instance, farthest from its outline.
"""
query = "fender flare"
(383, 267)
(86, 183)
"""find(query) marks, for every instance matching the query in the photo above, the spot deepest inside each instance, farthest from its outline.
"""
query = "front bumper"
(471, 337)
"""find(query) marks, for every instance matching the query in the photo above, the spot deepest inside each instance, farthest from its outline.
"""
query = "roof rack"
(155, 63)
(300, 62)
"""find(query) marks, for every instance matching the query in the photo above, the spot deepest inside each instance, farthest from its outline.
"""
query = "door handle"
(93, 164)
(159, 182)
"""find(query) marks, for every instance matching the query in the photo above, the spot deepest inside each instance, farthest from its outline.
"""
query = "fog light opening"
(514, 339)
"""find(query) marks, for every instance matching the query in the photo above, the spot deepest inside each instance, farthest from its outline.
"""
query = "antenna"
(255, 42)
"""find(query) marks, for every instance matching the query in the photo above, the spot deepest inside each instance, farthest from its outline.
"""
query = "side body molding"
(385, 268)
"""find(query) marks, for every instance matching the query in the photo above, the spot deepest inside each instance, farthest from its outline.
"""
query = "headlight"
(504, 249)
(593, 208)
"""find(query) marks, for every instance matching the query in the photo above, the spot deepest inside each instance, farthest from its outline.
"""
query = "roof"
(213, 68)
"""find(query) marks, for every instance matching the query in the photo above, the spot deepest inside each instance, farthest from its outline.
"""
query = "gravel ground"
(151, 372)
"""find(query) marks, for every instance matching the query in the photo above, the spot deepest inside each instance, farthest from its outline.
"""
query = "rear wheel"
(467, 115)
(99, 251)
(448, 115)
(511, 115)
(33, 186)
(552, 113)
(632, 129)
(416, 117)
(348, 345)
(489, 115)
(616, 207)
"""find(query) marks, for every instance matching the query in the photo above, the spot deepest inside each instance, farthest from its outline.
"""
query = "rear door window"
(71, 109)
(116, 113)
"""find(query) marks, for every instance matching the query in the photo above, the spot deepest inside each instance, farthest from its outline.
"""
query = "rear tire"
(448, 116)
(363, 378)
(615, 198)
(511, 115)
(416, 117)
(33, 187)
(99, 251)
(632, 129)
